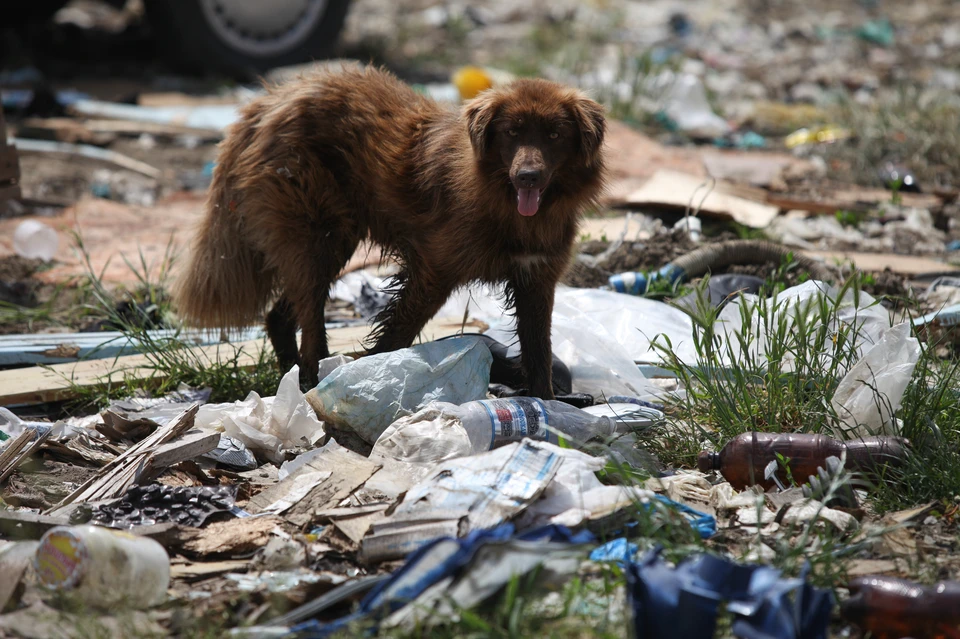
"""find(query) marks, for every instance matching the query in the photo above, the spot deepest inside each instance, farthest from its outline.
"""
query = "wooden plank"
(16, 524)
(902, 264)
(54, 383)
(191, 444)
(59, 348)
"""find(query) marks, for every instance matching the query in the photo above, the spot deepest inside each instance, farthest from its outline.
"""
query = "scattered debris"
(137, 463)
(758, 597)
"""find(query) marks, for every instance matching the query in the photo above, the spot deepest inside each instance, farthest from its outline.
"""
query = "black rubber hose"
(722, 254)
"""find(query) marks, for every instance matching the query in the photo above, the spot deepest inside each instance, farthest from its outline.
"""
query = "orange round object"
(470, 81)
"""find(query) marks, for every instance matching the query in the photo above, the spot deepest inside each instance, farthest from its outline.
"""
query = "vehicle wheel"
(245, 37)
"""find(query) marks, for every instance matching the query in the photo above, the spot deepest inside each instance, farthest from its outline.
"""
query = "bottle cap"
(707, 461)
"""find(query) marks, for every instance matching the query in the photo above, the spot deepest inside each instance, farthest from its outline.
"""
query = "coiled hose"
(717, 256)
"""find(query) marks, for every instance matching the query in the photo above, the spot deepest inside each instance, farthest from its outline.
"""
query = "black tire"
(184, 34)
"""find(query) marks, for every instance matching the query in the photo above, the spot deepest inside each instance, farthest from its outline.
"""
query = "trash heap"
(409, 486)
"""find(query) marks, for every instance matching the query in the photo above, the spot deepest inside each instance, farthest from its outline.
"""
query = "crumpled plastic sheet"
(684, 601)
(869, 320)
(433, 562)
(869, 394)
(369, 394)
(267, 424)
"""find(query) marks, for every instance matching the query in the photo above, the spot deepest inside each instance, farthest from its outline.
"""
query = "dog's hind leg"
(308, 253)
(281, 325)
(421, 293)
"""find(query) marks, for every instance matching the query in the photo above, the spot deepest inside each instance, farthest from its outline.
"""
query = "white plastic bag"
(268, 424)
(369, 394)
(867, 319)
(684, 100)
(869, 394)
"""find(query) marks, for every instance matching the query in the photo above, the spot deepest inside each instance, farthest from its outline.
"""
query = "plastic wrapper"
(369, 394)
(269, 425)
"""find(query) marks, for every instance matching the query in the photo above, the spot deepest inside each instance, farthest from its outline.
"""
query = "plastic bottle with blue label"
(441, 430)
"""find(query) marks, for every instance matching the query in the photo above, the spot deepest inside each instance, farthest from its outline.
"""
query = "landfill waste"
(594, 332)
(35, 240)
(267, 425)
(890, 608)
(454, 563)
(685, 601)
(818, 135)
(470, 81)
(879, 31)
(232, 452)
(685, 105)
(441, 430)
(369, 394)
(744, 460)
(362, 289)
(157, 503)
(507, 370)
(713, 256)
(536, 482)
(631, 416)
(869, 395)
(866, 320)
(103, 568)
(898, 178)
(721, 289)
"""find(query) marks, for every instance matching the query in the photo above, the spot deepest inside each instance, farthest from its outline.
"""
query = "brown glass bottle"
(753, 451)
(892, 608)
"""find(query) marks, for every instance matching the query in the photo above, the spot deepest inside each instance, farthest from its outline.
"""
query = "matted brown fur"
(315, 166)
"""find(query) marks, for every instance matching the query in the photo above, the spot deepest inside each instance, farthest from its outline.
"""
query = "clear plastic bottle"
(103, 567)
(441, 430)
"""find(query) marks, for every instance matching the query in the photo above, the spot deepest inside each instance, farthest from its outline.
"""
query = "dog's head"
(531, 130)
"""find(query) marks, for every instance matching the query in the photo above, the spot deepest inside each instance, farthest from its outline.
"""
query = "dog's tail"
(224, 282)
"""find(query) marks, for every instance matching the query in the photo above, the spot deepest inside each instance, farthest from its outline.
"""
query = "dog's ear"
(589, 117)
(479, 114)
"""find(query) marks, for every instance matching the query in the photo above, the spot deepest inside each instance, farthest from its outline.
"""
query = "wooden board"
(902, 264)
(36, 385)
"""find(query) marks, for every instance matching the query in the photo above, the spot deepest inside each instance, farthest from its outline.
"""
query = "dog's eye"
(512, 133)
(554, 135)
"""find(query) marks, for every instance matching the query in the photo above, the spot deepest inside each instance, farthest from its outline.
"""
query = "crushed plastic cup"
(35, 240)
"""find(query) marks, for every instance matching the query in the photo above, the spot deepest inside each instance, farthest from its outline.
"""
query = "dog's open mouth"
(528, 201)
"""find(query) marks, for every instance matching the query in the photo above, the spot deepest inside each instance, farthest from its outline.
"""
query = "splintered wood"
(138, 461)
(20, 449)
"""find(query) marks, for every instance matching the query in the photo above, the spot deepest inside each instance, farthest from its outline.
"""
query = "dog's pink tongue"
(528, 201)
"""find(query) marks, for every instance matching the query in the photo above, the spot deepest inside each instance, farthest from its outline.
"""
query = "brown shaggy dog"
(493, 194)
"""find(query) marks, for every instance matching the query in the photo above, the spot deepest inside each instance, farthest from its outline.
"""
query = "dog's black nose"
(529, 179)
